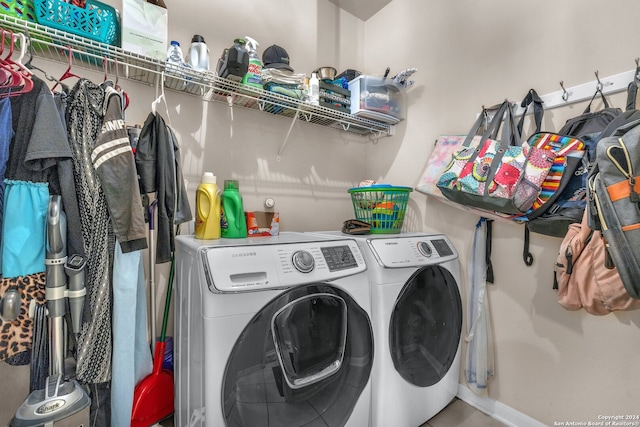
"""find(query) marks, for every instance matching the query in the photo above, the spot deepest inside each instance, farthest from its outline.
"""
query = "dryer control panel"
(257, 267)
(412, 251)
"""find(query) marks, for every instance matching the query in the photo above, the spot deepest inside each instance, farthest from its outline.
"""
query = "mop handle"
(167, 301)
(152, 263)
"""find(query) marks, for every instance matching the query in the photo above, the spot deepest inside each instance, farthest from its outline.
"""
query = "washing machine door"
(303, 360)
(425, 326)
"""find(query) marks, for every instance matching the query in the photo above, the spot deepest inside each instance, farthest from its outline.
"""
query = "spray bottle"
(254, 74)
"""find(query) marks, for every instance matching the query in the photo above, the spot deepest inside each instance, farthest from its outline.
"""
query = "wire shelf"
(56, 45)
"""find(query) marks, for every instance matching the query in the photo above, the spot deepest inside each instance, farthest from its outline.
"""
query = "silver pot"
(326, 73)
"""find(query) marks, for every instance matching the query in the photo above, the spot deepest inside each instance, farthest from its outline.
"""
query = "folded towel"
(280, 76)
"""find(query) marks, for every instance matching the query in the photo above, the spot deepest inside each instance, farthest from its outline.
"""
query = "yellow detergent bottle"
(207, 208)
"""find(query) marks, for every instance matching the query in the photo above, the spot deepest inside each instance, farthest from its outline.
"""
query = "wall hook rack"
(565, 94)
(582, 92)
(599, 85)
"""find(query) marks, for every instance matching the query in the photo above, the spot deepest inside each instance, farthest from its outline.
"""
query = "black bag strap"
(632, 89)
(526, 254)
(604, 101)
(487, 255)
(538, 110)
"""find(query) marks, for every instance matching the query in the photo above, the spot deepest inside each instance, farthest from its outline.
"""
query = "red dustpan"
(153, 396)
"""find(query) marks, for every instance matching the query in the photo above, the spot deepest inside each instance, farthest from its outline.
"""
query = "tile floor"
(457, 414)
(461, 414)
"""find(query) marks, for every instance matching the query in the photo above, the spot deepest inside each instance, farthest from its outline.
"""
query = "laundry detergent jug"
(198, 53)
(207, 208)
(234, 62)
(233, 223)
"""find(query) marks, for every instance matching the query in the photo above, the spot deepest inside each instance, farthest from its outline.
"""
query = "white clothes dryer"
(416, 312)
(272, 331)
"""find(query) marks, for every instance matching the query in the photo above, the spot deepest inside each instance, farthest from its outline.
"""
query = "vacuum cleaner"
(63, 402)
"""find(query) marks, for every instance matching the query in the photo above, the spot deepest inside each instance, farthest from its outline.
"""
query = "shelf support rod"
(286, 138)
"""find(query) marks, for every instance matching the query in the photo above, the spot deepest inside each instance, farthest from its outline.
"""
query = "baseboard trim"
(498, 410)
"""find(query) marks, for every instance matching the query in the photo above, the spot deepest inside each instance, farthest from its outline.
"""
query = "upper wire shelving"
(60, 46)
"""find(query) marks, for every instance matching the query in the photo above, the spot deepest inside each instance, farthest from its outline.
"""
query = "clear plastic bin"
(378, 98)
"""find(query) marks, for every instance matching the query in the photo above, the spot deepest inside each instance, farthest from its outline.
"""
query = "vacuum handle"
(75, 269)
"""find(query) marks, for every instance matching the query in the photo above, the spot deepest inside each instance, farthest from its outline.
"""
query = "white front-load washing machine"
(272, 331)
(416, 311)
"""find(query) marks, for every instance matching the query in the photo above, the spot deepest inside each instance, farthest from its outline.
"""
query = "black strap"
(488, 251)
(604, 101)
(526, 255)
(532, 98)
(632, 89)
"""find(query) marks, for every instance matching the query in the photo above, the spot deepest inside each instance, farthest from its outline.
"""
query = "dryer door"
(425, 326)
(303, 360)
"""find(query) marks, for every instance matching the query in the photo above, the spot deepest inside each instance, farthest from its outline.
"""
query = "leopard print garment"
(15, 336)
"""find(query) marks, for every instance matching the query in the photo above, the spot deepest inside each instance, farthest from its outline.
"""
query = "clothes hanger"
(5, 75)
(104, 67)
(67, 74)
(29, 64)
(20, 75)
(15, 79)
(161, 98)
(124, 95)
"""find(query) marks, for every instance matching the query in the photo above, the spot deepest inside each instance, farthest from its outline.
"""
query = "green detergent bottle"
(254, 73)
(233, 224)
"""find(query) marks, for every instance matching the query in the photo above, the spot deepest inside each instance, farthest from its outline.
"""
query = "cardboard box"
(145, 27)
(262, 223)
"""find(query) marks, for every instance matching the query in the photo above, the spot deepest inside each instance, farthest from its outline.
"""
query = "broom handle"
(152, 265)
(167, 302)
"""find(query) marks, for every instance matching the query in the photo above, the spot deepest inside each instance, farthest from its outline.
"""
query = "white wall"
(551, 364)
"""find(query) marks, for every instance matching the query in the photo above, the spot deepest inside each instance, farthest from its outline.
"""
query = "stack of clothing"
(279, 77)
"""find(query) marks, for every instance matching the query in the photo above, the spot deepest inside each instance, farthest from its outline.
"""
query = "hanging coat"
(85, 109)
(113, 161)
(158, 164)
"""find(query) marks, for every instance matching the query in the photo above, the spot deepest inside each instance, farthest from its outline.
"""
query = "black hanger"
(29, 65)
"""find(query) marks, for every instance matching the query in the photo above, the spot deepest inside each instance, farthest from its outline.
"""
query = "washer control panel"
(254, 267)
(303, 261)
(412, 251)
(425, 249)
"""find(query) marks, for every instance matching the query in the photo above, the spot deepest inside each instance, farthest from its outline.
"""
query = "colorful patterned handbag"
(501, 175)
(445, 147)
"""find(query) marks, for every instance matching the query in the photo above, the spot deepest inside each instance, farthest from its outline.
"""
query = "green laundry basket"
(383, 206)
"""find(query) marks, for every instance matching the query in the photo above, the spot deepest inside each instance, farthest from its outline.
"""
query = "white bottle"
(314, 90)
(174, 54)
(199, 54)
(175, 59)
